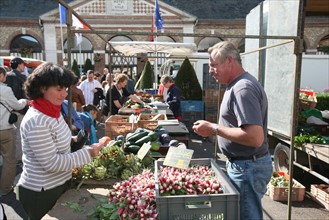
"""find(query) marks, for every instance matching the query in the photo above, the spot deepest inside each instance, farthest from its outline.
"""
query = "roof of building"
(30, 9)
(215, 9)
(205, 9)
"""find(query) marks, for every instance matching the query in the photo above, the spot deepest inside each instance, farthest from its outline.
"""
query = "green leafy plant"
(187, 81)
(147, 79)
(75, 68)
(88, 65)
(323, 101)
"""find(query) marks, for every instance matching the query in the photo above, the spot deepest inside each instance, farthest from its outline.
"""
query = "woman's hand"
(94, 149)
(75, 138)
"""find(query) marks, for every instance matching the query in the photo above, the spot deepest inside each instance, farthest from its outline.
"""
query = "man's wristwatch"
(215, 130)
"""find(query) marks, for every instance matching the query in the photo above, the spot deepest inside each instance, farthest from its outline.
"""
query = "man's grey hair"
(225, 49)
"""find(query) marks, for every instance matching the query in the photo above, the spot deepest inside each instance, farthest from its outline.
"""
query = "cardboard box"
(281, 193)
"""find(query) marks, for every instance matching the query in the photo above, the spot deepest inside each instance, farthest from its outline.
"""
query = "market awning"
(130, 48)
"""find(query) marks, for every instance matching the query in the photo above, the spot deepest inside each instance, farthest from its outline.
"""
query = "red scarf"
(46, 107)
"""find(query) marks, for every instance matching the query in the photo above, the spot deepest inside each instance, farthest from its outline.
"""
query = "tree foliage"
(75, 68)
(88, 65)
(187, 80)
(147, 77)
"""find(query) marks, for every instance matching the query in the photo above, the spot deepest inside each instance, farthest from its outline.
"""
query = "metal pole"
(69, 43)
(298, 52)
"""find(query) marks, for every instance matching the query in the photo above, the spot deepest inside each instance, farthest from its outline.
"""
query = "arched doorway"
(26, 46)
(207, 42)
(82, 50)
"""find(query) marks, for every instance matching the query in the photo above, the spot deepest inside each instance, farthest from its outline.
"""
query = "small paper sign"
(178, 157)
(143, 150)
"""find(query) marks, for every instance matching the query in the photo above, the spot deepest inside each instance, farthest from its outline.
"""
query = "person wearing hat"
(15, 80)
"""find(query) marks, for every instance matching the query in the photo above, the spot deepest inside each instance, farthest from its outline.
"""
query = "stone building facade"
(136, 15)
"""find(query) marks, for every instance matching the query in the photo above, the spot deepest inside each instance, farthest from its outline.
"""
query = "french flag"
(75, 21)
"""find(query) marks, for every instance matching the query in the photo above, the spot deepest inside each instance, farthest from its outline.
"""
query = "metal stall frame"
(298, 48)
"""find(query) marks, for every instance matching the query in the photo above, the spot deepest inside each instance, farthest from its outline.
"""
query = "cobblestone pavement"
(203, 148)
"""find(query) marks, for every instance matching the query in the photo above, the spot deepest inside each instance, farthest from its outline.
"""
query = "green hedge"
(323, 101)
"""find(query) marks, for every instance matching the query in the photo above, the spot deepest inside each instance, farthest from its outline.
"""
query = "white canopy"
(130, 48)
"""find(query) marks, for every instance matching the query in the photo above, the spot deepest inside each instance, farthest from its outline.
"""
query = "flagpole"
(80, 57)
(155, 49)
(61, 28)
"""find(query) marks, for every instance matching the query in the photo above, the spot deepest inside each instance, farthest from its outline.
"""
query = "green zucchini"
(137, 136)
(133, 149)
(143, 140)
(154, 135)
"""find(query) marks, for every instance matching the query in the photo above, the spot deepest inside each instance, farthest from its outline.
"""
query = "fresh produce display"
(307, 97)
(135, 140)
(113, 162)
(191, 181)
(135, 198)
(280, 181)
(130, 199)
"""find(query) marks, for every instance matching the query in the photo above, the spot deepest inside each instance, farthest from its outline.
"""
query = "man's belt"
(252, 157)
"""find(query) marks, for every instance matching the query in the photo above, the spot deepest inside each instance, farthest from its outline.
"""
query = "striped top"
(47, 160)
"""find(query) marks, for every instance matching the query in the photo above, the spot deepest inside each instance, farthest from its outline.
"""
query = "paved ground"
(203, 148)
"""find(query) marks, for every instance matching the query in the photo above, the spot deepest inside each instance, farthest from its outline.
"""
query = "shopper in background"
(46, 138)
(119, 94)
(15, 80)
(241, 129)
(88, 116)
(173, 97)
(8, 102)
(89, 86)
(77, 96)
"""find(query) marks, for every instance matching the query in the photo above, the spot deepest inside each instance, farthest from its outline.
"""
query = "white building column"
(188, 28)
(49, 36)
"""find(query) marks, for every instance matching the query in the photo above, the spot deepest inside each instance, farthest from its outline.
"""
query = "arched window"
(165, 39)
(207, 42)
(85, 46)
(80, 52)
(26, 46)
(323, 46)
(117, 60)
(120, 38)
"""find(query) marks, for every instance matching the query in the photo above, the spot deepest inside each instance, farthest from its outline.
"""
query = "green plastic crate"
(199, 207)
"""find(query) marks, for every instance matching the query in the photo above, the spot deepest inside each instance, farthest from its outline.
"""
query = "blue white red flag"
(75, 21)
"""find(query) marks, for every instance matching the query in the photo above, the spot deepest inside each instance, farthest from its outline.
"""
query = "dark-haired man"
(15, 79)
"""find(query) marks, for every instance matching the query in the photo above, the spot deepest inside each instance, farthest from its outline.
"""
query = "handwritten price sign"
(178, 157)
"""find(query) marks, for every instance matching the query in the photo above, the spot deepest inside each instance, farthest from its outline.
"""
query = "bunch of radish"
(191, 181)
(135, 196)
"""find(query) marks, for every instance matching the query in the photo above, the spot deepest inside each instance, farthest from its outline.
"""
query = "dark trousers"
(38, 204)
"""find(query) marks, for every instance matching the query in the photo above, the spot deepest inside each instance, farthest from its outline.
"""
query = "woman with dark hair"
(88, 116)
(46, 138)
(77, 96)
